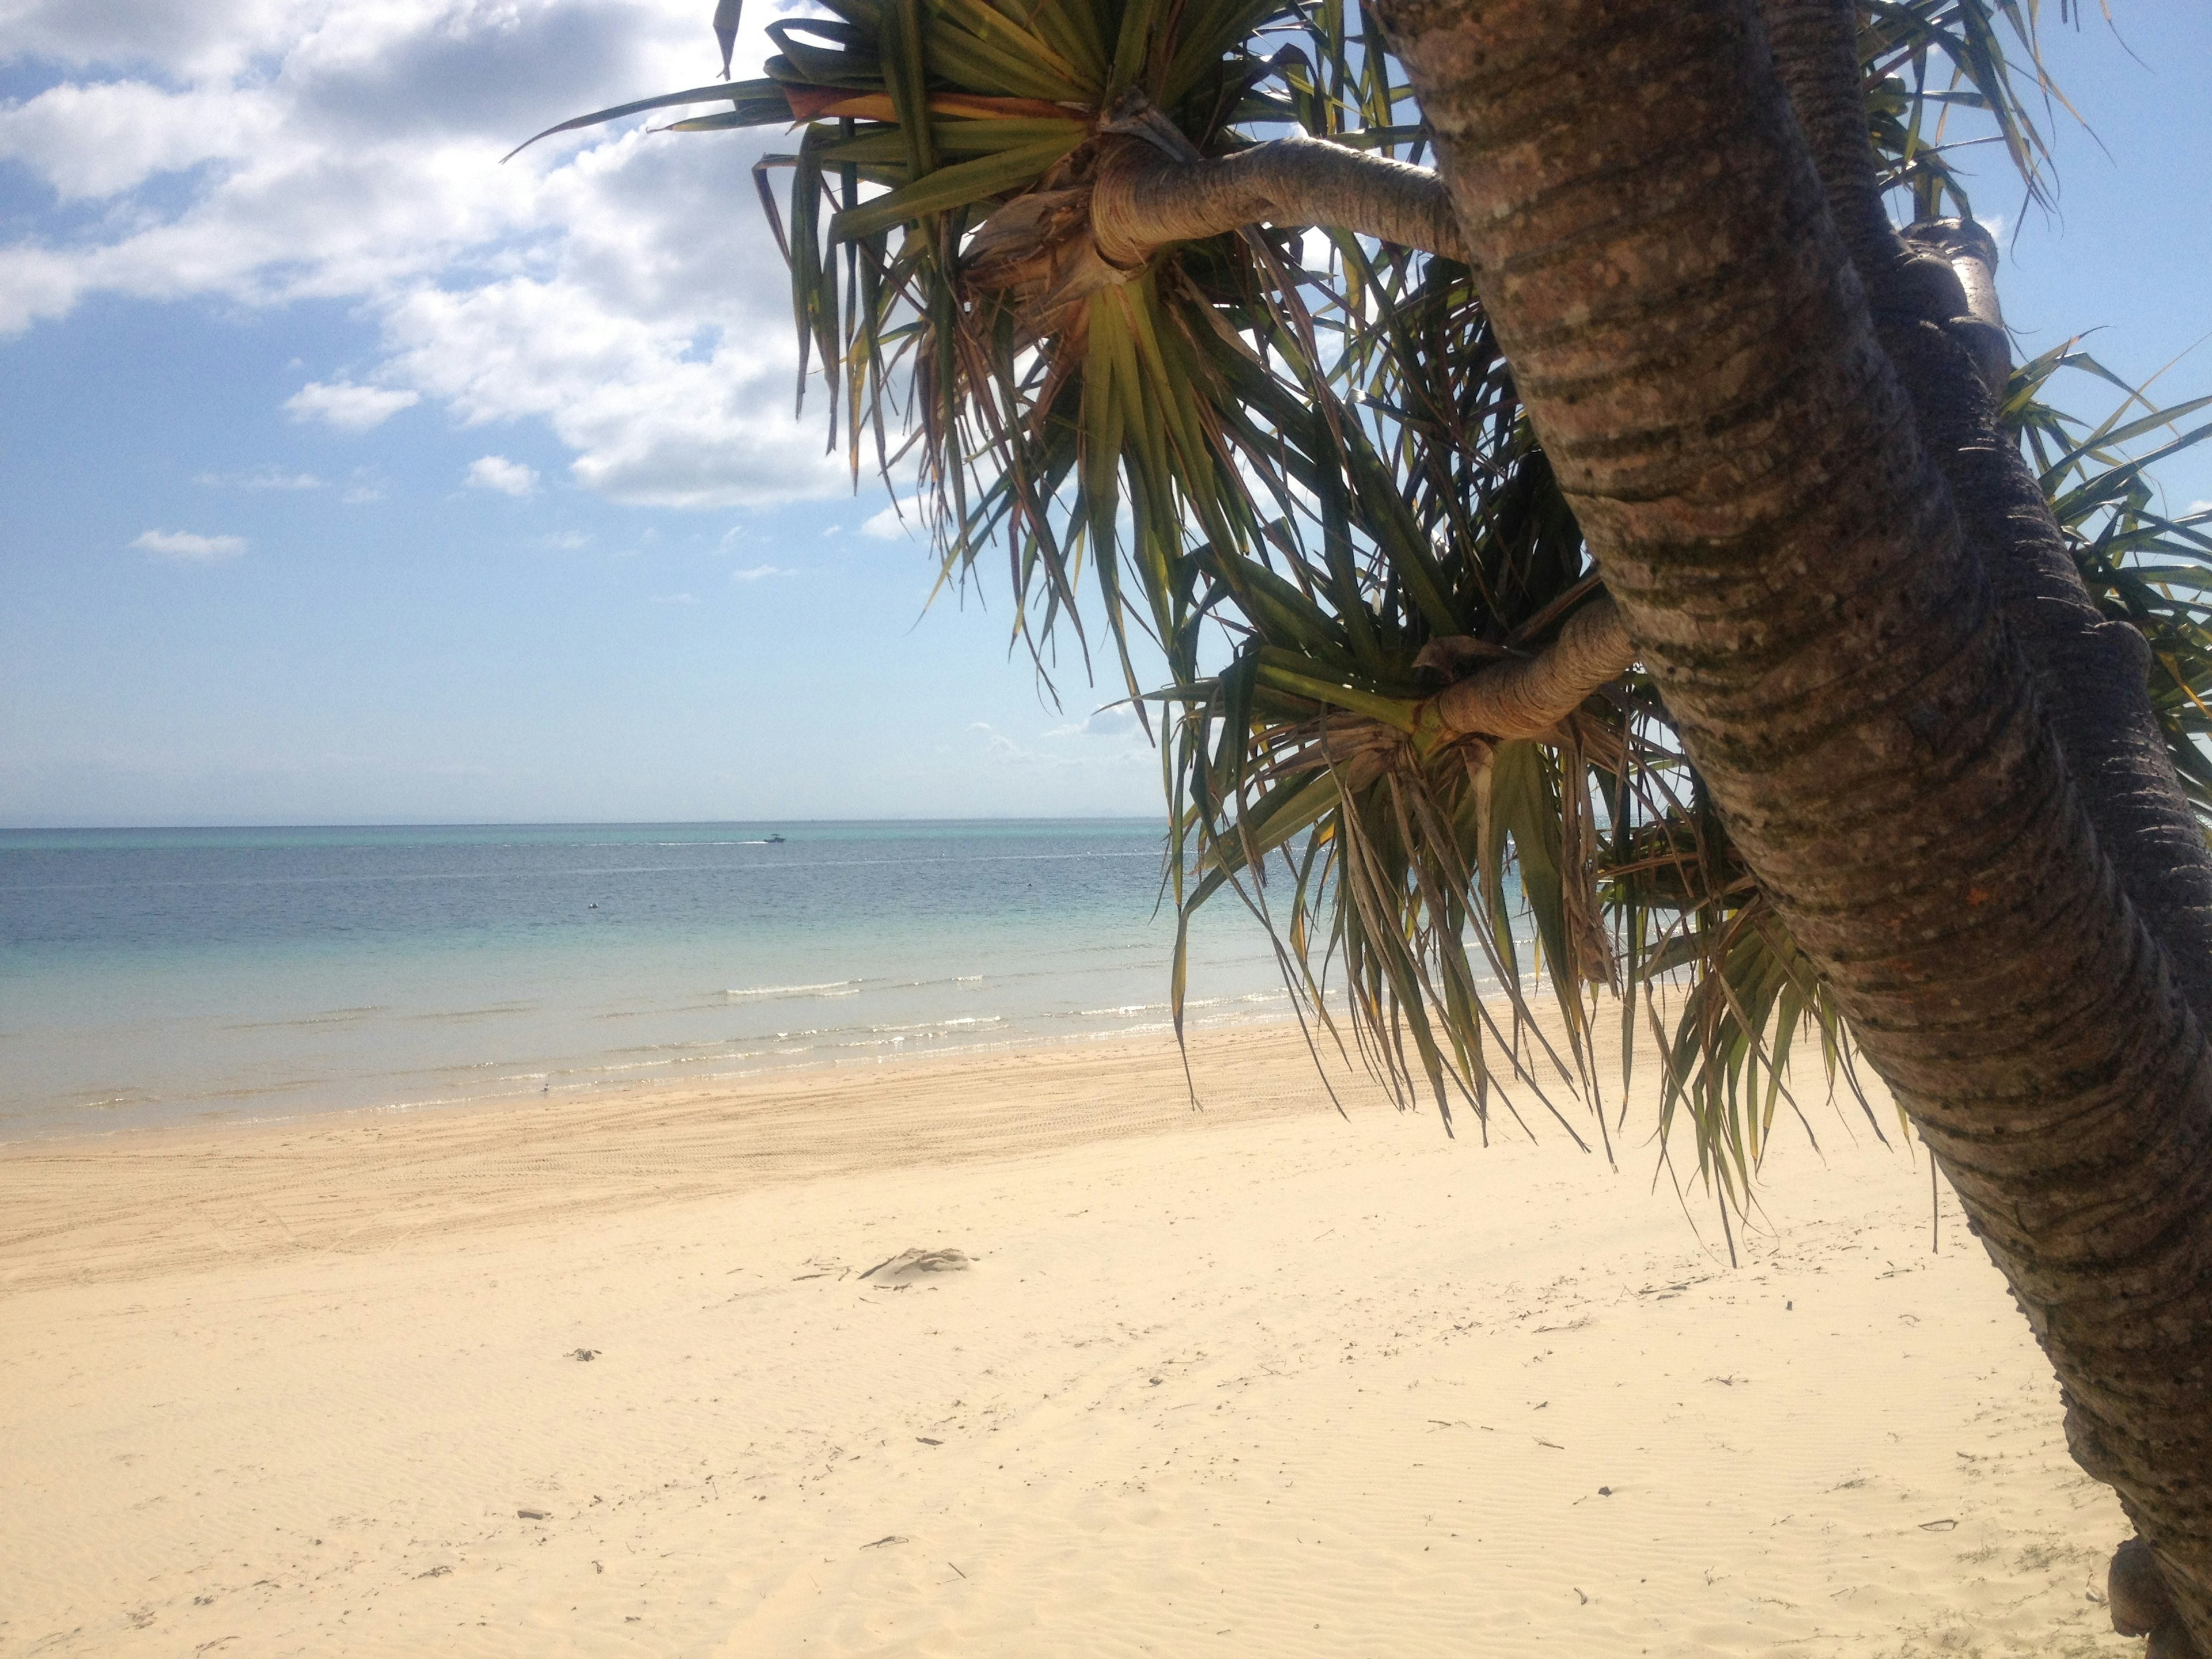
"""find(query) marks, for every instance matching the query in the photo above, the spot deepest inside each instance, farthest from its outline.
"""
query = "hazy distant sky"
(347, 475)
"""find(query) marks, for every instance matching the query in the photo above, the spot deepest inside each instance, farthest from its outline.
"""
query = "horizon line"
(580, 823)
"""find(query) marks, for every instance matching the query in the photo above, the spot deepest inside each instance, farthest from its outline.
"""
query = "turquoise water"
(167, 975)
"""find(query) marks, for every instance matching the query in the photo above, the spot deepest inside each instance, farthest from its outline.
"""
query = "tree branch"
(1529, 696)
(1145, 198)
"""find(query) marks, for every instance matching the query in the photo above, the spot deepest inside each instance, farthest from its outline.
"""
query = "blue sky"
(346, 475)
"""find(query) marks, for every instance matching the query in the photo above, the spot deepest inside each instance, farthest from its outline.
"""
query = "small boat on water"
(774, 840)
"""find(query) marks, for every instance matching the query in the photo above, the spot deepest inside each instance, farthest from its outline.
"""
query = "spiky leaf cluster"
(1294, 461)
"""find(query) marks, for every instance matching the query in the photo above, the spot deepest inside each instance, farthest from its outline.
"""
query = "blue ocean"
(156, 976)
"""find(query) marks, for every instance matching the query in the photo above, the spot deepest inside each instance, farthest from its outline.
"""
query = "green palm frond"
(1292, 465)
(1926, 59)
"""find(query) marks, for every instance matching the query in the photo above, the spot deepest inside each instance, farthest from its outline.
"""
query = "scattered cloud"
(267, 478)
(92, 142)
(760, 572)
(651, 426)
(499, 473)
(1116, 720)
(346, 406)
(834, 530)
(900, 521)
(187, 548)
(568, 541)
(2200, 506)
(256, 153)
(674, 598)
(1000, 750)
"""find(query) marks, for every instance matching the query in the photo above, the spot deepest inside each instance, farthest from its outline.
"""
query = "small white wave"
(1127, 1031)
(833, 987)
(943, 1024)
(1126, 1009)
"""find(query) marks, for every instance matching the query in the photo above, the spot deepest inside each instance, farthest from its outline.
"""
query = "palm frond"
(1291, 465)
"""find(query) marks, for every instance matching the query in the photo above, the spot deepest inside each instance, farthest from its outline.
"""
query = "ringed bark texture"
(1936, 313)
(1651, 240)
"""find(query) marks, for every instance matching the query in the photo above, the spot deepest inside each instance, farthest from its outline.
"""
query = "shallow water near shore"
(157, 976)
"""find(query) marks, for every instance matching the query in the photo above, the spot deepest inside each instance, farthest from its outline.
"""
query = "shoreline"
(602, 1147)
(611, 1377)
(220, 1120)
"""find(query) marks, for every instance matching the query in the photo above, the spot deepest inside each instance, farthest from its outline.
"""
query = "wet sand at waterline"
(1257, 1380)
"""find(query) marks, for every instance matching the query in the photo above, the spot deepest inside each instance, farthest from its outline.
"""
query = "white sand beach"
(1255, 1380)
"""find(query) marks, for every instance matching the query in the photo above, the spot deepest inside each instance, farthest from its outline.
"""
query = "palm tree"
(1620, 522)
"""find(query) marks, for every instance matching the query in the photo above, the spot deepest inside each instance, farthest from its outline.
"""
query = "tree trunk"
(1652, 241)
(2093, 675)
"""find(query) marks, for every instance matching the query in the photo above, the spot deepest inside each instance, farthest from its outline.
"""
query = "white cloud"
(92, 142)
(1104, 760)
(258, 152)
(652, 424)
(2200, 506)
(499, 473)
(184, 546)
(206, 41)
(346, 406)
(760, 572)
(674, 598)
(267, 478)
(1116, 720)
(900, 521)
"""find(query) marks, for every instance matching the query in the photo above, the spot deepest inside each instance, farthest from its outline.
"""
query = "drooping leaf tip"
(727, 13)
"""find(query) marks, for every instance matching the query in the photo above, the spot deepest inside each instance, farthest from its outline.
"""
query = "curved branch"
(1529, 696)
(1971, 253)
(1145, 198)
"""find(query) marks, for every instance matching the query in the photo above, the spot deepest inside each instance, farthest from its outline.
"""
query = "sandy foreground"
(1253, 1381)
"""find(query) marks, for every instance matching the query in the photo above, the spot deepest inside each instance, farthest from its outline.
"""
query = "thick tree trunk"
(1697, 351)
(1953, 360)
